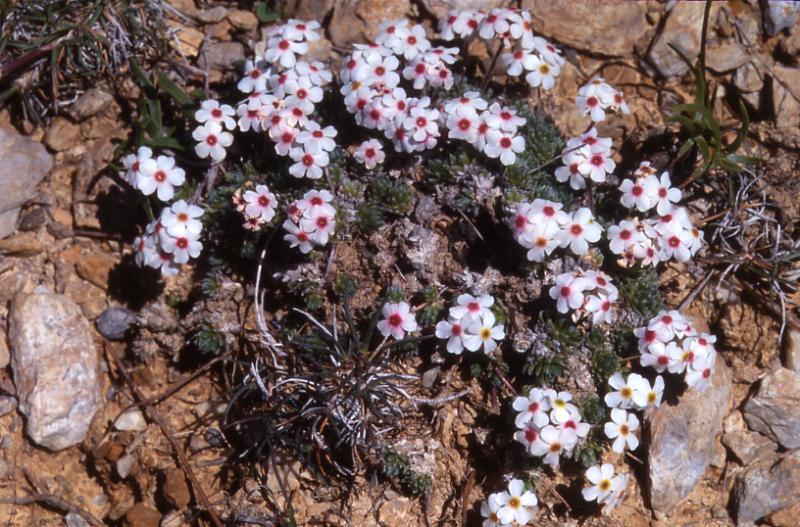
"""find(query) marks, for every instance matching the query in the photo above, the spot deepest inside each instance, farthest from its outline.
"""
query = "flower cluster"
(586, 157)
(211, 135)
(471, 325)
(542, 226)
(171, 239)
(510, 507)
(311, 221)
(669, 343)
(521, 52)
(597, 97)
(257, 206)
(590, 294)
(549, 424)
(660, 238)
(149, 174)
(605, 488)
(397, 320)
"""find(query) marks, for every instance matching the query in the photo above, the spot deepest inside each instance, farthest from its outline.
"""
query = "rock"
(683, 439)
(21, 156)
(23, 244)
(176, 490)
(748, 79)
(124, 465)
(440, 8)
(792, 351)
(221, 55)
(75, 520)
(132, 420)
(785, 517)
(55, 366)
(95, 268)
(212, 15)
(682, 29)
(63, 134)
(786, 96)
(7, 405)
(774, 410)
(141, 515)
(726, 57)
(578, 24)
(313, 9)
(768, 486)
(188, 39)
(353, 22)
(33, 219)
(779, 15)
(243, 20)
(90, 104)
(747, 446)
(114, 322)
(5, 357)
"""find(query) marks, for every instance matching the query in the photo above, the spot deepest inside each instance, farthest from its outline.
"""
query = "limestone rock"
(62, 134)
(114, 322)
(608, 28)
(132, 420)
(220, 56)
(141, 515)
(779, 15)
(95, 267)
(747, 446)
(774, 410)
(176, 490)
(354, 21)
(792, 351)
(726, 57)
(90, 104)
(768, 486)
(440, 8)
(55, 366)
(682, 29)
(786, 96)
(243, 20)
(684, 438)
(25, 164)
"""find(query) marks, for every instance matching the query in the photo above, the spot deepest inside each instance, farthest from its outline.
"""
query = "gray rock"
(768, 486)
(774, 410)
(791, 352)
(5, 356)
(747, 446)
(55, 366)
(682, 29)
(25, 164)
(779, 15)
(7, 405)
(684, 439)
(132, 420)
(726, 57)
(90, 104)
(212, 14)
(114, 322)
(75, 520)
(748, 79)
(786, 96)
(221, 55)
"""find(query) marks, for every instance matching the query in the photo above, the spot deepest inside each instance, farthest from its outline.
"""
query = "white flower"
(471, 307)
(251, 115)
(180, 219)
(623, 396)
(519, 60)
(668, 324)
(666, 195)
(514, 503)
(415, 42)
(317, 138)
(307, 162)
(160, 175)
(597, 165)
(297, 237)
(212, 141)
(453, 331)
(496, 23)
(503, 118)
(254, 79)
(397, 320)
(146, 250)
(317, 198)
(600, 478)
(133, 164)
(561, 407)
(211, 110)
(467, 23)
(506, 146)
(301, 30)
(260, 203)
(620, 429)
(319, 222)
(283, 50)
(528, 436)
(284, 137)
(302, 93)
(624, 236)
(370, 153)
(660, 356)
(601, 307)
(645, 395)
(639, 194)
(484, 333)
(181, 247)
(462, 127)
(568, 292)
(572, 159)
(542, 73)
(489, 510)
(700, 371)
(315, 71)
(468, 104)
(553, 442)
(618, 485)
(580, 231)
(575, 424)
(532, 409)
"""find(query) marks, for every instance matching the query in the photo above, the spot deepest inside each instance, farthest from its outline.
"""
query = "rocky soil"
(85, 335)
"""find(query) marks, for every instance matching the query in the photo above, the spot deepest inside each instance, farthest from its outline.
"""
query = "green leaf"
(745, 160)
(742, 133)
(156, 128)
(175, 91)
(685, 147)
(141, 76)
(264, 13)
(699, 76)
(164, 142)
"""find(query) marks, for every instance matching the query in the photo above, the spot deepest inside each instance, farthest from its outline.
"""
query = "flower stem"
(488, 76)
